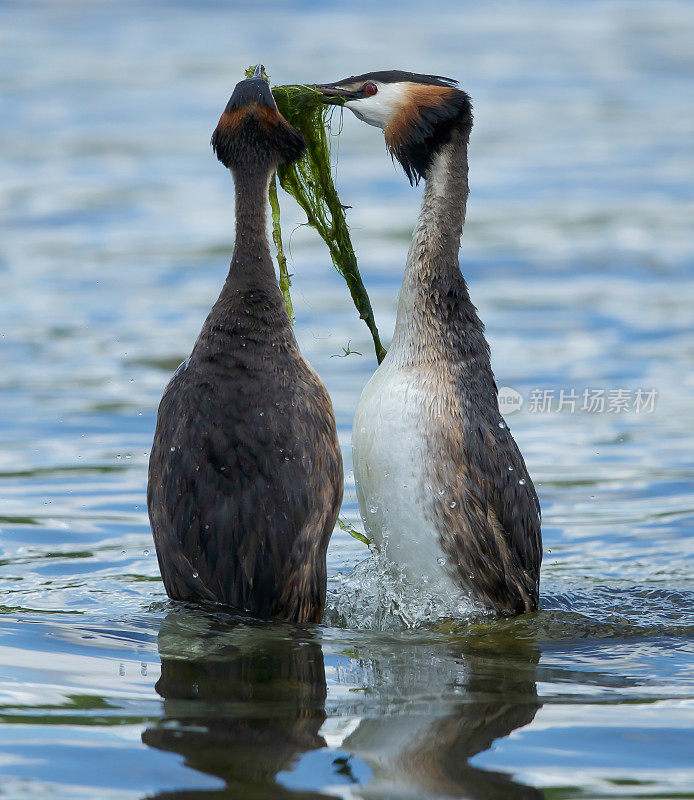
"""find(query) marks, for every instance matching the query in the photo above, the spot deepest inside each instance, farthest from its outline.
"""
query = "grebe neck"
(436, 319)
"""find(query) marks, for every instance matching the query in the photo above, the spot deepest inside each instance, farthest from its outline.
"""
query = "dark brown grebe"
(245, 475)
(442, 485)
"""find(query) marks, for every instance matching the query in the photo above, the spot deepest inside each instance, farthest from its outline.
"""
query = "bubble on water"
(522, 481)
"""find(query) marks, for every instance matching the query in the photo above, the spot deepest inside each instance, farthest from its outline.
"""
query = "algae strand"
(309, 181)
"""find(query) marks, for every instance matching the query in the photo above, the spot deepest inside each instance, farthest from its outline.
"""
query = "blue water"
(116, 228)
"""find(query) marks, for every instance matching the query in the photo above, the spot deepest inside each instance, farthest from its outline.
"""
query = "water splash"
(377, 595)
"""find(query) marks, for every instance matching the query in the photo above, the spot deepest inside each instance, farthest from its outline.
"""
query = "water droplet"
(123, 552)
(145, 552)
(119, 456)
(121, 669)
(441, 561)
(173, 449)
(510, 469)
(207, 527)
(132, 380)
(128, 455)
(502, 424)
(442, 492)
(195, 574)
(261, 413)
(373, 509)
(522, 481)
(453, 504)
(143, 670)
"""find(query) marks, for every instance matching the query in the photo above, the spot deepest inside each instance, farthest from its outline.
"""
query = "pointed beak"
(334, 95)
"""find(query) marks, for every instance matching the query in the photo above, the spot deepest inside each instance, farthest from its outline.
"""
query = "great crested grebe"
(245, 475)
(442, 486)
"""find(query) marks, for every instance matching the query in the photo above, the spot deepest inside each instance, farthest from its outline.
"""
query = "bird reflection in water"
(439, 708)
(246, 703)
(241, 701)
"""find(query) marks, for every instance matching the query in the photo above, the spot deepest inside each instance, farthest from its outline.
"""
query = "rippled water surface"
(116, 230)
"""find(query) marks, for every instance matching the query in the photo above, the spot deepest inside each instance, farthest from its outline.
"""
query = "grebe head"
(416, 112)
(251, 132)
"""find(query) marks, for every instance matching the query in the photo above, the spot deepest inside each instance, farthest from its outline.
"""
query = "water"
(115, 233)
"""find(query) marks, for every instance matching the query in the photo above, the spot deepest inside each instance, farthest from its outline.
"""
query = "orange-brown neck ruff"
(423, 122)
(268, 117)
(415, 98)
(255, 133)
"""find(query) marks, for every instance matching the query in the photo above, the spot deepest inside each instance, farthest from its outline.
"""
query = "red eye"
(370, 88)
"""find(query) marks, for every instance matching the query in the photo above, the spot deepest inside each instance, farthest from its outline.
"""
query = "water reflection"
(247, 703)
(442, 706)
(240, 701)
